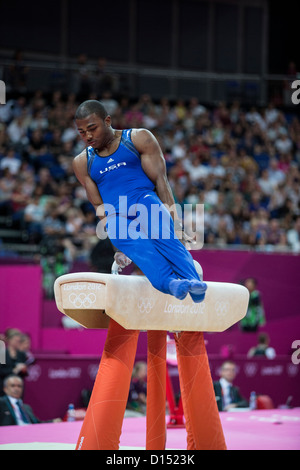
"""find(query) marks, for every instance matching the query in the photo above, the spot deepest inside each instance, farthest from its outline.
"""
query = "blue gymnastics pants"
(151, 243)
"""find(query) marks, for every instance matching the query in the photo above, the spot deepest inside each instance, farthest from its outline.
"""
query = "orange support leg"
(156, 391)
(102, 426)
(203, 425)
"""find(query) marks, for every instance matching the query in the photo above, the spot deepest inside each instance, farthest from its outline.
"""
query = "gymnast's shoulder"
(79, 163)
(142, 138)
(80, 160)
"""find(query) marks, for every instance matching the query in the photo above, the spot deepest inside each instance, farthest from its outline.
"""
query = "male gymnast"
(128, 165)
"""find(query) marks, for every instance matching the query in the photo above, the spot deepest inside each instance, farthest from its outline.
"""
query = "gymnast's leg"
(160, 228)
(165, 262)
(101, 429)
(156, 267)
(204, 429)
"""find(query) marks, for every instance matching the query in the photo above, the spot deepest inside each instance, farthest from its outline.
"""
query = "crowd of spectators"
(243, 165)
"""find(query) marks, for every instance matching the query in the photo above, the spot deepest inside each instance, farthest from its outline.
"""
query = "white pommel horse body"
(91, 299)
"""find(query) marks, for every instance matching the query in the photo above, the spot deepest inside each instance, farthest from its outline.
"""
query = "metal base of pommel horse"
(91, 299)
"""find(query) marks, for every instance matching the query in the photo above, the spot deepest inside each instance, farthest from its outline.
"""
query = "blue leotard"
(120, 173)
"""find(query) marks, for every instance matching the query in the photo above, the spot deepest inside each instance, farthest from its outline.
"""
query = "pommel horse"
(127, 305)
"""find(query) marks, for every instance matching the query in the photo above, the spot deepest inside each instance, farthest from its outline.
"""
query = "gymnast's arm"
(154, 165)
(93, 195)
(92, 192)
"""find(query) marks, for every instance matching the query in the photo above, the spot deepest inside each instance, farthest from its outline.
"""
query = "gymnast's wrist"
(178, 225)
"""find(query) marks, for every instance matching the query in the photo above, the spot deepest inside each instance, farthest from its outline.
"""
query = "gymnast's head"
(93, 123)
(89, 107)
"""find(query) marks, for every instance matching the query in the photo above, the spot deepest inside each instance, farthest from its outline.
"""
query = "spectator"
(69, 134)
(18, 128)
(7, 188)
(276, 176)
(137, 398)
(196, 108)
(293, 235)
(109, 102)
(36, 148)
(74, 221)
(255, 316)
(11, 162)
(271, 114)
(283, 144)
(227, 395)
(265, 183)
(52, 224)
(262, 348)
(38, 121)
(15, 360)
(34, 215)
(12, 409)
(25, 347)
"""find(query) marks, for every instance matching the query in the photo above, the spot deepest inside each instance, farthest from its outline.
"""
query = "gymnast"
(129, 163)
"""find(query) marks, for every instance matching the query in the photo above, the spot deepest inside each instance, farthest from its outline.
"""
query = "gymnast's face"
(95, 131)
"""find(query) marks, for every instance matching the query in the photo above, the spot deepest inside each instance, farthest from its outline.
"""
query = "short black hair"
(91, 107)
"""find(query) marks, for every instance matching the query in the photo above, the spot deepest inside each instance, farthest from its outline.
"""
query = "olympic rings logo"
(222, 308)
(145, 305)
(82, 300)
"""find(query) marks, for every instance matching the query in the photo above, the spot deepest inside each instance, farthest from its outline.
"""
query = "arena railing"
(135, 80)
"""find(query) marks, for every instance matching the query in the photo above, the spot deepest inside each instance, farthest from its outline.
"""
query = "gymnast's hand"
(121, 259)
(182, 235)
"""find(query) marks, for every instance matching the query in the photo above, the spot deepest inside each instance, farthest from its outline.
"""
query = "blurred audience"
(243, 165)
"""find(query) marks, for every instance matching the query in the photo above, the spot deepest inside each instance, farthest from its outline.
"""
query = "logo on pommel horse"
(222, 308)
(82, 300)
(145, 305)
